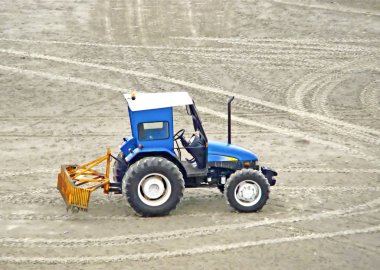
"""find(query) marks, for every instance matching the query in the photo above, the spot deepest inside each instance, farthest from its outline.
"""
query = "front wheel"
(247, 190)
(153, 186)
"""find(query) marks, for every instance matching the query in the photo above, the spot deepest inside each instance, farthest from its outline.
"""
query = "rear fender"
(128, 145)
(147, 152)
(138, 154)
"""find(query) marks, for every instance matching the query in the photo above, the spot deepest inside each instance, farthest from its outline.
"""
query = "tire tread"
(240, 175)
(143, 165)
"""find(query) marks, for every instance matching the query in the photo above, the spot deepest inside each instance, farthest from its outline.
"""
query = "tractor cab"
(151, 120)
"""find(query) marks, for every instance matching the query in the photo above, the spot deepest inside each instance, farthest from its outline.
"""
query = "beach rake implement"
(75, 183)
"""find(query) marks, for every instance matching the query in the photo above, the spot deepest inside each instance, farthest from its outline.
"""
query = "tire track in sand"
(211, 53)
(295, 46)
(184, 233)
(291, 41)
(298, 90)
(194, 86)
(245, 121)
(319, 105)
(183, 252)
(92, 218)
(288, 169)
(197, 51)
(190, 15)
(334, 8)
(279, 44)
(185, 50)
(320, 97)
(132, 216)
(369, 99)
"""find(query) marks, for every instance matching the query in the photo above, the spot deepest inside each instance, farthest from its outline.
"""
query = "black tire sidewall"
(148, 166)
(240, 176)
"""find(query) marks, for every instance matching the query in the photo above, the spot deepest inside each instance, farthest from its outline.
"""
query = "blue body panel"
(149, 146)
(129, 143)
(218, 158)
(156, 115)
(218, 151)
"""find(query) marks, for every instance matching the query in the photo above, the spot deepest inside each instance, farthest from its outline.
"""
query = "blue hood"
(218, 151)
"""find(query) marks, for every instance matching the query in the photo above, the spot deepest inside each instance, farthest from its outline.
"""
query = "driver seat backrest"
(198, 151)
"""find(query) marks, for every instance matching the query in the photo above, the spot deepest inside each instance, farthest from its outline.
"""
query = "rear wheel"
(247, 190)
(119, 168)
(153, 186)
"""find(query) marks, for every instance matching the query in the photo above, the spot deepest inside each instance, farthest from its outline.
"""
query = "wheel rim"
(154, 189)
(247, 193)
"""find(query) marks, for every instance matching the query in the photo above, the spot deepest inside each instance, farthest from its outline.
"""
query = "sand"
(305, 76)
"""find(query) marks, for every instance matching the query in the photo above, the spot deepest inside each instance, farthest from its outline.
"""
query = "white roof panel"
(150, 101)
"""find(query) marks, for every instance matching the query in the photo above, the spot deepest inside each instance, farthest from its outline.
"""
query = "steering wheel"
(179, 134)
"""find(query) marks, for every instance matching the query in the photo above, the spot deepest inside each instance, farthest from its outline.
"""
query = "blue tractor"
(152, 174)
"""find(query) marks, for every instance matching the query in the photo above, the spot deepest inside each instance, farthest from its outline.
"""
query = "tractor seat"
(195, 147)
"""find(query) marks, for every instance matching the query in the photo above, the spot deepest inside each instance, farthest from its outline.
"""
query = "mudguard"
(128, 145)
(129, 157)
(269, 173)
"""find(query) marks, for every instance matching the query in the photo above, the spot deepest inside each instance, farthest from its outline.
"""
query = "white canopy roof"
(150, 101)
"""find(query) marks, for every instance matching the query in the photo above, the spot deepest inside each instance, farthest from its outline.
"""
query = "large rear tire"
(247, 190)
(153, 186)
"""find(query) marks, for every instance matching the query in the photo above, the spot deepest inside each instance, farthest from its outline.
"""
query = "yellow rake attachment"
(76, 183)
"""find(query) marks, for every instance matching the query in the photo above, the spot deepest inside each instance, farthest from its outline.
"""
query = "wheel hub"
(247, 193)
(153, 187)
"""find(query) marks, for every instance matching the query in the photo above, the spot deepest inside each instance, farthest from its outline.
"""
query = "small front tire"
(247, 190)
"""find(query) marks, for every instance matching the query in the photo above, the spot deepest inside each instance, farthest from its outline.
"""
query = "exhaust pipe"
(229, 118)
